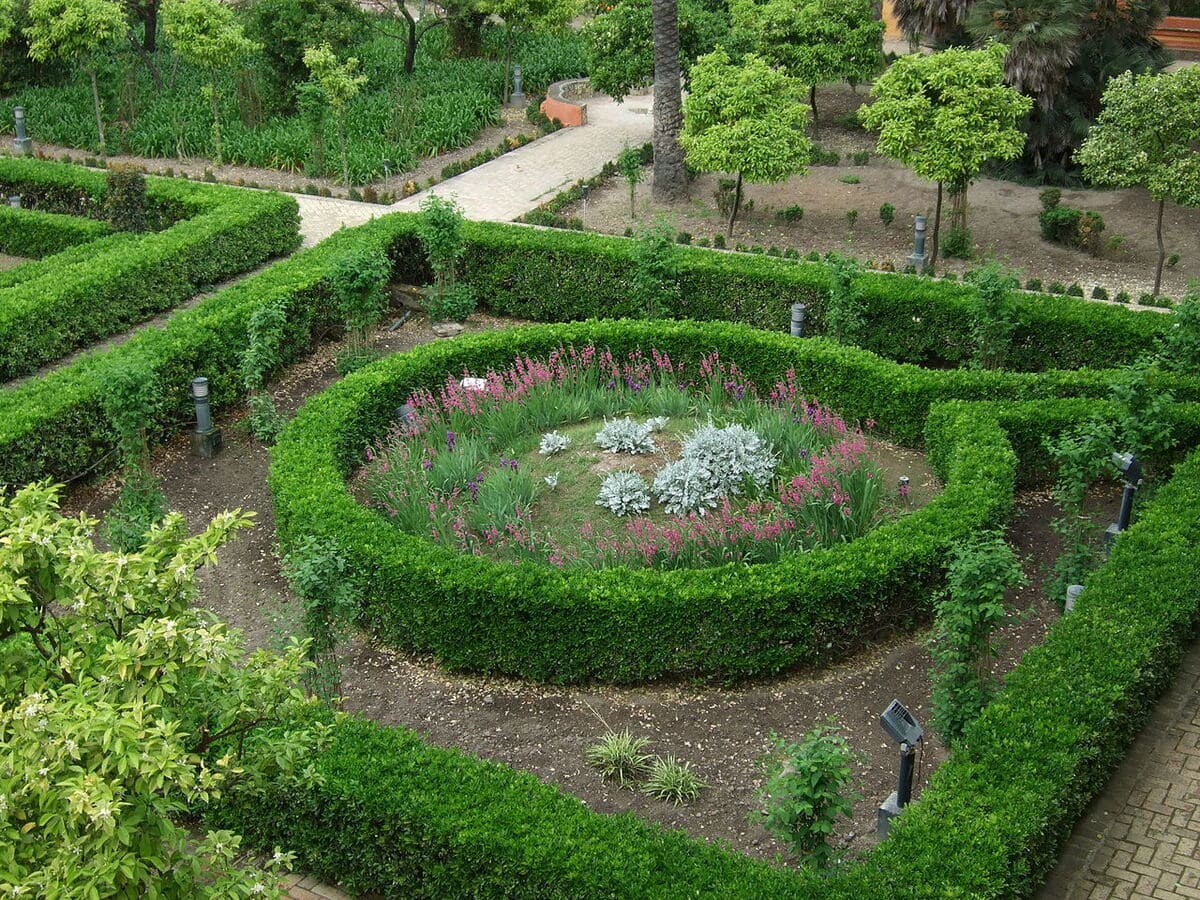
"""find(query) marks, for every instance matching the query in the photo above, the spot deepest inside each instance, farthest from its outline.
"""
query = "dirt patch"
(513, 123)
(545, 729)
(10, 262)
(1003, 216)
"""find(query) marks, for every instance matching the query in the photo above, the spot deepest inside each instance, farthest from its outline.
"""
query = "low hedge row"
(619, 624)
(34, 234)
(93, 294)
(556, 276)
(396, 816)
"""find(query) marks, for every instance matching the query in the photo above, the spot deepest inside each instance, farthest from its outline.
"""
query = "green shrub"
(850, 179)
(1057, 287)
(1074, 289)
(792, 213)
(887, 214)
(1033, 284)
(618, 755)
(125, 205)
(34, 234)
(1050, 198)
(806, 791)
(860, 157)
(1099, 293)
(1072, 228)
(671, 780)
(1122, 297)
(957, 244)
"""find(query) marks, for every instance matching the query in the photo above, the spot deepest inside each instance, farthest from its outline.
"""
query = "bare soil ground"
(1002, 216)
(10, 262)
(544, 729)
(513, 123)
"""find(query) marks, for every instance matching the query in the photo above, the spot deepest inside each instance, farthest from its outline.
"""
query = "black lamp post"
(206, 439)
(799, 314)
(1131, 472)
(902, 728)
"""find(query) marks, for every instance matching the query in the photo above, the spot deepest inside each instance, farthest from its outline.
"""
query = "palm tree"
(940, 21)
(670, 175)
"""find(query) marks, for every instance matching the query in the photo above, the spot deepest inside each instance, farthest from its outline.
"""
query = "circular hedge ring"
(629, 625)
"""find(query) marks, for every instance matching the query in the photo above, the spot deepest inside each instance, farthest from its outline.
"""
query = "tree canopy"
(945, 115)
(206, 32)
(123, 707)
(1148, 135)
(816, 42)
(745, 118)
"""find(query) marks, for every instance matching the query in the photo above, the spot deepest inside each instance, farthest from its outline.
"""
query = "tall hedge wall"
(28, 232)
(97, 290)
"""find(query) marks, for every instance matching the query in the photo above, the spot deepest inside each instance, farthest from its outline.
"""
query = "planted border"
(100, 289)
(397, 816)
(620, 624)
(28, 232)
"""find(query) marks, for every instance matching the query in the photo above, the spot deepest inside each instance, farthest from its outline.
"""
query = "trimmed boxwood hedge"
(104, 287)
(396, 816)
(621, 624)
(28, 232)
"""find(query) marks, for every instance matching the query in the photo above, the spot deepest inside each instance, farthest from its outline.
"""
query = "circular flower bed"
(701, 465)
(624, 623)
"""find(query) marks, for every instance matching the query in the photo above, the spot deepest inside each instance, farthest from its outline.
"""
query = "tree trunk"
(670, 174)
(96, 107)
(150, 26)
(737, 204)
(410, 41)
(958, 206)
(218, 156)
(341, 123)
(937, 227)
(1162, 251)
(812, 103)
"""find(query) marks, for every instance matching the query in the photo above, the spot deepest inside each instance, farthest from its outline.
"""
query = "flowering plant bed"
(623, 623)
(657, 464)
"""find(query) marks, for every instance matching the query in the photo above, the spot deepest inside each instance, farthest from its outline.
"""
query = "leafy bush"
(806, 791)
(1072, 228)
(1180, 347)
(654, 281)
(1099, 293)
(734, 457)
(792, 213)
(686, 486)
(125, 205)
(34, 234)
(957, 244)
(552, 443)
(850, 179)
(139, 507)
(887, 214)
(623, 493)
(966, 616)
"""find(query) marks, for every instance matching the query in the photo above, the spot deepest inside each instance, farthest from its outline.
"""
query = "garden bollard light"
(517, 97)
(206, 439)
(1131, 473)
(918, 260)
(904, 729)
(904, 487)
(14, 200)
(798, 315)
(1073, 592)
(22, 144)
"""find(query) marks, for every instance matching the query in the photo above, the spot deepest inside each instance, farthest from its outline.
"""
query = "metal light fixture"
(799, 314)
(902, 728)
(14, 200)
(206, 439)
(917, 259)
(904, 487)
(1131, 472)
(1073, 592)
(22, 144)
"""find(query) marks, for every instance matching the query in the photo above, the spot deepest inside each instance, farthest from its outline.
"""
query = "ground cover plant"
(272, 119)
(719, 471)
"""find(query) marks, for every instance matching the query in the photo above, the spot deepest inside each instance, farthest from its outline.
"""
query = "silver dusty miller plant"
(624, 493)
(553, 442)
(686, 486)
(733, 455)
(715, 463)
(626, 436)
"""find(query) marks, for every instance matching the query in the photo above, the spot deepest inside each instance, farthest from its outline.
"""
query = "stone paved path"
(1140, 838)
(513, 184)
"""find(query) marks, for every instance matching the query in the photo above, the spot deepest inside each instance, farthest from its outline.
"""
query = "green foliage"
(441, 232)
(138, 508)
(207, 33)
(125, 198)
(994, 314)
(1179, 350)
(316, 573)
(806, 791)
(850, 179)
(93, 290)
(1072, 227)
(1080, 456)
(981, 571)
(957, 244)
(887, 214)
(629, 162)
(34, 234)
(790, 214)
(1050, 198)
(654, 279)
(619, 755)
(340, 83)
(356, 284)
(620, 43)
(135, 708)
(816, 42)
(669, 779)
(744, 119)
(846, 307)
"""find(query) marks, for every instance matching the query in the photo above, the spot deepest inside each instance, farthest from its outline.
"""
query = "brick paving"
(1140, 838)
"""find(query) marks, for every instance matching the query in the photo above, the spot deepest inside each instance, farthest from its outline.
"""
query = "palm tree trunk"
(1162, 251)
(937, 226)
(670, 174)
(737, 203)
(96, 107)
